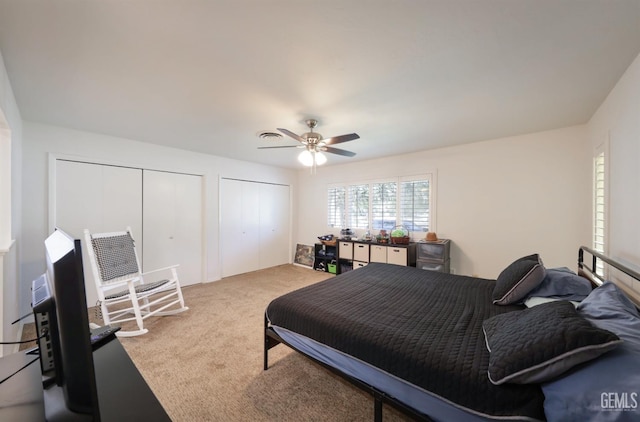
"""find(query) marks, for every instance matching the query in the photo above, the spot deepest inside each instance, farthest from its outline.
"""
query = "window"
(358, 207)
(406, 201)
(336, 207)
(599, 205)
(414, 205)
(383, 205)
(598, 221)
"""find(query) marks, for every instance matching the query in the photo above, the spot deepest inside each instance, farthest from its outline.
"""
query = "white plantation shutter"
(358, 209)
(384, 200)
(599, 206)
(415, 205)
(336, 206)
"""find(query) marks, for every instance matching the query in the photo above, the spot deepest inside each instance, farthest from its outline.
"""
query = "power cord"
(44, 334)
(19, 370)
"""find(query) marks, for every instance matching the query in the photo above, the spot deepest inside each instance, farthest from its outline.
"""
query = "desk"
(123, 394)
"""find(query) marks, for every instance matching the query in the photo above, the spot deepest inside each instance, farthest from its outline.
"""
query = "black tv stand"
(55, 410)
(123, 394)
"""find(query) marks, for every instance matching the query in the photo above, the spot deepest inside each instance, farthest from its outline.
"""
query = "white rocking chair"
(123, 290)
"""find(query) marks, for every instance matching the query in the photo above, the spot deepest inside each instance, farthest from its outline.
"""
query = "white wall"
(10, 202)
(497, 200)
(41, 140)
(618, 120)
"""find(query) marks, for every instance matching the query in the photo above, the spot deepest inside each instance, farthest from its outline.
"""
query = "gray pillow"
(540, 343)
(562, 283)
(518, 279)
(606, 389)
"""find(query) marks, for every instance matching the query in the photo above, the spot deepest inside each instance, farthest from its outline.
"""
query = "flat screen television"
(59, 302)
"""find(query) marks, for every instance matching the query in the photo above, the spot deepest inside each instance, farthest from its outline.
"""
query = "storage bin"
(345, 250)
(436, 251)
(442, 267)
(361, 252)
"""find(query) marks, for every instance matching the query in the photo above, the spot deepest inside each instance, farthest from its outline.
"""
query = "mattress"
(422, 327)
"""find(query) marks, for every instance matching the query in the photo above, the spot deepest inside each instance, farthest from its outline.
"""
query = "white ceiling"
(406, 75)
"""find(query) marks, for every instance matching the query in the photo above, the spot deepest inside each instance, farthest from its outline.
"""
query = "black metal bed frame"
(272, 339)
(591, 271)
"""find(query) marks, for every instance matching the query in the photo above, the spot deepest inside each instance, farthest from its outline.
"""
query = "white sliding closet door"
(254, 226)
(274, 225)
(239, 228)
(172, 224)
(97, 197)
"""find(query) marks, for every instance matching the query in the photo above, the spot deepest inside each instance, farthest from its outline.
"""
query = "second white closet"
(254, 226)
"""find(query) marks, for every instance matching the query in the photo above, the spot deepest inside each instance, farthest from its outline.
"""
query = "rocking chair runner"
(123, 290)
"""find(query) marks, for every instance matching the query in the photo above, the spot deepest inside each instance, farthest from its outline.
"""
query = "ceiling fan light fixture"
(320, 158)
(306, 158)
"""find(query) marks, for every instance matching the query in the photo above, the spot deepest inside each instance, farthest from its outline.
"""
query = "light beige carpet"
(205, 364)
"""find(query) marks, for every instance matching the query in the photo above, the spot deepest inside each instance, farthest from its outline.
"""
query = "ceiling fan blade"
(341, 138)
(339, 151)
(293, 135)
(281, 146)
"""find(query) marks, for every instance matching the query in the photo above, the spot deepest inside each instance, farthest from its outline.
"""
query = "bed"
(420, 340)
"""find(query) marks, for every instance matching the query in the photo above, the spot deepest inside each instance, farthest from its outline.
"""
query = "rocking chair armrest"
(121, 283)
(160, 269)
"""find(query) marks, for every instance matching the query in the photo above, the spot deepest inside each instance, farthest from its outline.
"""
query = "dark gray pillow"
(540, 343)
(518, 279)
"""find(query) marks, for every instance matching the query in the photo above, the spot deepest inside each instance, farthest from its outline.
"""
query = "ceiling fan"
(314, 145)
